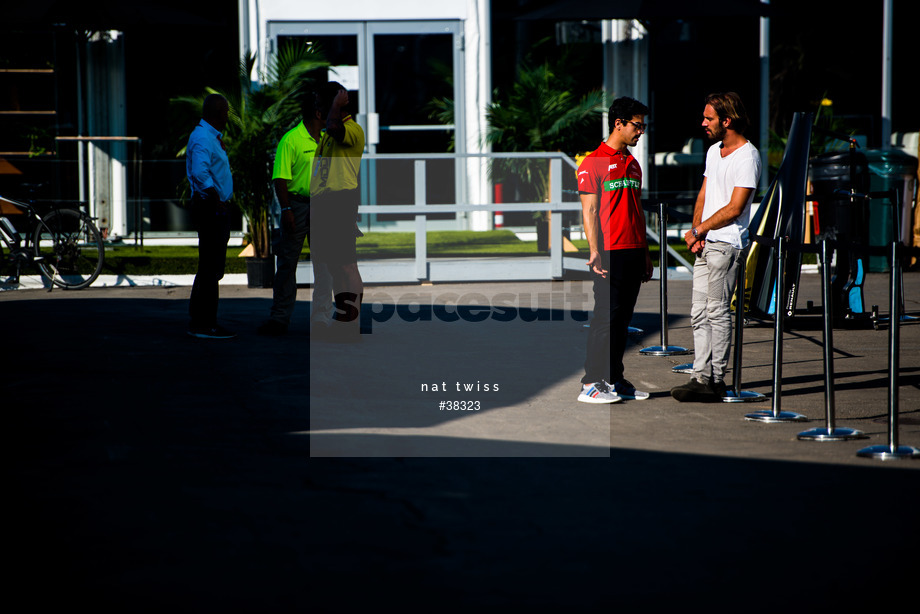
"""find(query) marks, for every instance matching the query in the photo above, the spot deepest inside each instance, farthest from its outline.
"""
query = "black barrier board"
(782, 211)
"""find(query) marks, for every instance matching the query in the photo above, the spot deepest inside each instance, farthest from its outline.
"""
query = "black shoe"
(695, 391)
(719, 388)
(272, 328)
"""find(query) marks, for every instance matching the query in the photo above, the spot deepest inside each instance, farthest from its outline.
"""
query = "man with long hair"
(719, 238)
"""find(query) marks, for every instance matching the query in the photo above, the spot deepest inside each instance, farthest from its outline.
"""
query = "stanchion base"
(746, 396)
(886, 453)
(837, 434)
(671, 350)
(902, 319)
(632, 330)
(684, 368)
(768, 416)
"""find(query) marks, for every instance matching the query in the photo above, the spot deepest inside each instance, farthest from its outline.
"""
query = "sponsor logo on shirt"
(620, 184)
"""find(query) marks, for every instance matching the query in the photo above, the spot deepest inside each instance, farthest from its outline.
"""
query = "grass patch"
(179, 260)
(162, 260)
(445, 244)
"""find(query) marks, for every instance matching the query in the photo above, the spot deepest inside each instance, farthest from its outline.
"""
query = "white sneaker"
(626, 390)
(598, 392)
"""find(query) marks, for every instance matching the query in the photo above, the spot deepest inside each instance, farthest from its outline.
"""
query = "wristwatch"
(693, 231)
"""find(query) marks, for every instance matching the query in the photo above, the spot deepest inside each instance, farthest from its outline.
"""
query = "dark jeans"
(213, 224)
(614, 301)
(284, 288)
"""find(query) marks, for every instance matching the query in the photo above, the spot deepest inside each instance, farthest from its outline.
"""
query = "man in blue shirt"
(208, 170)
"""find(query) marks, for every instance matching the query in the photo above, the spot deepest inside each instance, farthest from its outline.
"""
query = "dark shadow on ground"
(792, 385)
(148, 472)
(257, 527)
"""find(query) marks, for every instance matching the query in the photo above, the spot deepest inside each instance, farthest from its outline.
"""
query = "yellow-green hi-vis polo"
(294, 160)
(337, 164)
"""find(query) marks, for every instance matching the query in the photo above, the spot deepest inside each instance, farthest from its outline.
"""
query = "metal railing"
(416, 188)
(421, 209)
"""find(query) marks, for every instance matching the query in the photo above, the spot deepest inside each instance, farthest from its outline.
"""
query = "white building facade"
(395, 58)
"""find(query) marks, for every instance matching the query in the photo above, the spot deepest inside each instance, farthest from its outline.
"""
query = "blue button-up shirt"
(206, 162)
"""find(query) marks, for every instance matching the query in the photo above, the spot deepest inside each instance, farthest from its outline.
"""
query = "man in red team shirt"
(610, 185)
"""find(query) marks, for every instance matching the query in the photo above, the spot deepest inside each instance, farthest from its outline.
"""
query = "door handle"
(373, 128)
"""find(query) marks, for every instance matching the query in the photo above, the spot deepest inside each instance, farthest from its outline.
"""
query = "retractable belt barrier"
(831, 432)
(664, 349)
(736, 394)
(776, 415)
(893, 451)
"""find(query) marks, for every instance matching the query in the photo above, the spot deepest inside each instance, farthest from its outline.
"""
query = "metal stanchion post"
(736, 394)
(776, 415)
(831, 432)
(894, 197)
(664, 349)
(893, 451)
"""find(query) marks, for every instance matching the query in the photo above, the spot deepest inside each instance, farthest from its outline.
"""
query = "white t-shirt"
(741, 169)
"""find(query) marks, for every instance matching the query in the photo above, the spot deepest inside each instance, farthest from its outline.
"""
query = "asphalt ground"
(150, 471)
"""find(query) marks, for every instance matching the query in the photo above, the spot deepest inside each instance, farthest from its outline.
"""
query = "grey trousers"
(714, 278)
(284, 289)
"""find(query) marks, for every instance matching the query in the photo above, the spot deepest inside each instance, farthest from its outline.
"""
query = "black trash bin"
(845, 219)
(838, 214)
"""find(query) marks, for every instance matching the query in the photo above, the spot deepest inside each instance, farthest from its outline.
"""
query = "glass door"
(414, 68)
(343, 45)
(416, 78)
(401, 77)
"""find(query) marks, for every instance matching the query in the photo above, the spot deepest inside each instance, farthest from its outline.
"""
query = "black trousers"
(212, 221)
(332, 225)
(614, 301)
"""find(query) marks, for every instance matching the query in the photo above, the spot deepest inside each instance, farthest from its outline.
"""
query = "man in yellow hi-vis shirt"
(291, 177)
(335, 199)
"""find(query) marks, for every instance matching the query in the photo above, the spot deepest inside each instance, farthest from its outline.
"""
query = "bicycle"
(63, 243)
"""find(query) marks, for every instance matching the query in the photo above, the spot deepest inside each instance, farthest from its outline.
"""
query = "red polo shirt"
(615, 176)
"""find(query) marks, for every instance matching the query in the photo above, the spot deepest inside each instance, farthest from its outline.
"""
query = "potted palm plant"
(261, 112)
(540, 113)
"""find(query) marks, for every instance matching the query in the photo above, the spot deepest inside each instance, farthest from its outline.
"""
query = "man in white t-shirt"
(719, 238)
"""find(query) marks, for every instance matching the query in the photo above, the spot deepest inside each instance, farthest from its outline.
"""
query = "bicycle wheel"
(68, 249)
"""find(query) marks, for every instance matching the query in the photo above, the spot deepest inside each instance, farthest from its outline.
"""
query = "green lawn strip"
(162, 260)
(177, 260)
